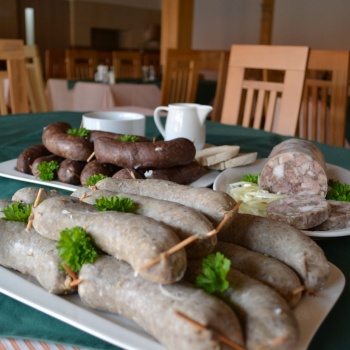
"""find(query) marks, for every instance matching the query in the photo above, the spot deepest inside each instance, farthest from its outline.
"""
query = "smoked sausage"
(144, 155)
(57, 140)
(26, 158)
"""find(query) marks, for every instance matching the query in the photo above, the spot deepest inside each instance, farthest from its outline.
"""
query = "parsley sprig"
(17, 212)
(117, 203)
(75, 248)
(212, 277)
(338, 191)
(128, 138)
(82, 132)
(94, 179)
(47, 170)
(251, 178)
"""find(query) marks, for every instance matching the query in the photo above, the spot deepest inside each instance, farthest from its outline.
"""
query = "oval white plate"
(235, 174)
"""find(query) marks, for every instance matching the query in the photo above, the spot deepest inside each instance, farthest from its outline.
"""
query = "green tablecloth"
(18, 320)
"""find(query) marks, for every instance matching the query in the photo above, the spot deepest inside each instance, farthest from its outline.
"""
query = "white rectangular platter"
(116, 330)
(8, 169)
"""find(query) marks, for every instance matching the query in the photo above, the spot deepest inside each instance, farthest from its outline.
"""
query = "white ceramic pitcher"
(183, 120)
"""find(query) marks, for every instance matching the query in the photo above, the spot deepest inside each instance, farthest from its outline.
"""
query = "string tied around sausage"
(222, 338)
(190, 239)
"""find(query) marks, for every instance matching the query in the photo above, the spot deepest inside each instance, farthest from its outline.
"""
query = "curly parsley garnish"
(94, 179)
(17, 212)
(75, 248)
(128, 138)
(338, 191)
(47, 170)
(82, 132)
(116, 203)
(212, 277)
(251, 178)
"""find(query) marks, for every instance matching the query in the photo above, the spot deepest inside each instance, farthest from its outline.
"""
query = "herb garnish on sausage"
(94, 179)
(82, 132)
(47, 170)
(75, 248)
(17, 212)
(213, 274)
(117, 203)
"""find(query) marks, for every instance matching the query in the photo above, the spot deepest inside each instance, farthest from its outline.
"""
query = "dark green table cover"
(20, 321)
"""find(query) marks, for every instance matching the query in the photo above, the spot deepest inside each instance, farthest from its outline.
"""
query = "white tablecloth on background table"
(90, 96)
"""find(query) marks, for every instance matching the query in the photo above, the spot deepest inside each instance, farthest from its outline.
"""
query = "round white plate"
(235, 174)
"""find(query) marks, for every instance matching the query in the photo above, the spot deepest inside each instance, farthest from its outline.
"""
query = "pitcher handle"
(156, 116)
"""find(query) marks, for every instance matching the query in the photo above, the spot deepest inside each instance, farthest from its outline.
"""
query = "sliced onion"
(254, 198)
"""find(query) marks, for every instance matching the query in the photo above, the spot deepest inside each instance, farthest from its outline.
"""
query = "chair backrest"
(324, 105)
(81, 64)
(260, 104)
(105, 58)
(152, 58)
(13, 71)
(34, 79)
(180, 77)
(55, 64)
(216, 61)
(127, 64)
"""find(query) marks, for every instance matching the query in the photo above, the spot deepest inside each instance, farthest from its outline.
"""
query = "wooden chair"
(34, 79)
(268, 105)
(324, 103)
(127, 64)
(152, 58)
(55, 64)
(105, 58)
(180, 77)
(13, 72)
(81, 64)
(216, 61)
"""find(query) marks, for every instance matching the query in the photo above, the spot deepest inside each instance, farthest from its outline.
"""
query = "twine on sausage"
(90, 157)
(191, 239)
(221, 337)
(75, 279)
(36, 202)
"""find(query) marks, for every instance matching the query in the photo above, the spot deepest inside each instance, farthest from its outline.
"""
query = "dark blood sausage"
(300, 211)
(128, 174)
(70, 170)
(96, 168)
(110, 285)
(58, 141)
(27, 157)
(94, 134)
(181, 174)
(295, 167)
(146, 155)
(38, 161)
(30, 253)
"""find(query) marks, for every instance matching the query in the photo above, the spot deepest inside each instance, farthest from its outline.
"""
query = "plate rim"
(97, 323)
(8, 170)
(319, 234)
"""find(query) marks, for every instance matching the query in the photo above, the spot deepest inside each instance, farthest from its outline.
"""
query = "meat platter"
(116, 330)
(235, 174)
(8, 169)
